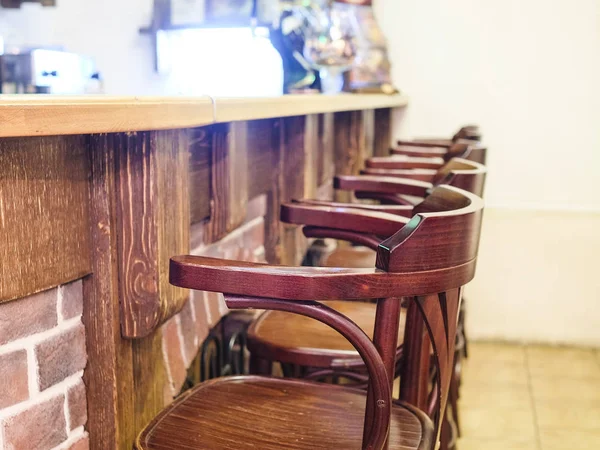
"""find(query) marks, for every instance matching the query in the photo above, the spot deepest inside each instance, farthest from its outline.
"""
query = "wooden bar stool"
(423, 158)
(310, 350)
(427, 262)
(468, 132)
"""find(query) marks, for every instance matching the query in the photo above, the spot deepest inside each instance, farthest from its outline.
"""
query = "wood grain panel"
(263, 156)
(149, 380)
(383, 132)
(152, 208)
(326, 148)
(200, 173)
(368, 123)
(238, 174)
(172, 156)
(311, 156)
(350, 146)
(216, 227)
(291, 186)
(44, 219)
(109, 373)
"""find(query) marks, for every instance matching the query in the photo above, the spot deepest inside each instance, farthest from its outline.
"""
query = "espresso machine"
(47, 71)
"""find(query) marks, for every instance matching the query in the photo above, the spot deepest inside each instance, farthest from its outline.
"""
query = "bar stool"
(313, 351)
(467, 132)
(427, 262)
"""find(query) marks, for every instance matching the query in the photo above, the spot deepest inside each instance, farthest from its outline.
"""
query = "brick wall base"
(42, 357)
(184, 333)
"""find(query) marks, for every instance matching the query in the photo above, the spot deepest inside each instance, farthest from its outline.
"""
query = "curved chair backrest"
(440, 244)
(470, 132)
(467, 150)
(463, 174)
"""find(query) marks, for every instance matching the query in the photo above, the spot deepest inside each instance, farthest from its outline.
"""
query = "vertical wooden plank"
(350, 146)
(109, 374)
(229, 179)
(291, 185)
(171, 152)
(383, 132)
(153, 222)
(369, 133)
(311, 156)
(152, 205)
(200, 173)
(137, 241)
(274, 195)
(326, 142)
(263, 146)
(219, 183)
(238, 174)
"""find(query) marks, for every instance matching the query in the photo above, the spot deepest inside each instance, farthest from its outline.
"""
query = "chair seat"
(351, 257)
(251, 412)
(291, 338)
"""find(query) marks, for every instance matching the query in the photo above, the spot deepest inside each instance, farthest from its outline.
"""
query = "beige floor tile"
(497, 423)
(564, 362)
(566, 389)
(493, 372)
(484, 444)
(480, 396)
(569, 440)
(579, 415)
(502, 353)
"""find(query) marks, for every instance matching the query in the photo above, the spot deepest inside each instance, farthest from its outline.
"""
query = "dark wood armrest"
(413, 174)
(419, 152)
(342, 218)
(399, 210)
(305, 283)
(403, 162)
(426, 143)
(383, 185)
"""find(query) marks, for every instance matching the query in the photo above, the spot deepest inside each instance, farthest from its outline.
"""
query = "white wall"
(528, 72)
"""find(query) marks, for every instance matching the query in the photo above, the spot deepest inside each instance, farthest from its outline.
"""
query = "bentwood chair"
(468, 132)
(427, 160)
(427, 262)
(310, 350)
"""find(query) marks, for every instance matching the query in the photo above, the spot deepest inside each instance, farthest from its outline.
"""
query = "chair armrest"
(419, 152)
(382, 185)
(426, 143)
(403, 162)
(342, 218)
(399, 210)
(413, 174)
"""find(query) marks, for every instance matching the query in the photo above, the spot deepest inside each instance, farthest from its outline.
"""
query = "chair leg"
(462, 318)
(446, 434)
(453, 400)
(260, 366)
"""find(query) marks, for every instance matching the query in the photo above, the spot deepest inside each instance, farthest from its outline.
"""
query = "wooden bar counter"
(106, 189)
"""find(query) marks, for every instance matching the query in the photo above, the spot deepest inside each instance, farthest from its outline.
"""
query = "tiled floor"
(517, 397)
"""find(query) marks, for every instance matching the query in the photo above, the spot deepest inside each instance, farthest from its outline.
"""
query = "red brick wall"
(42, 357)
(183, 334)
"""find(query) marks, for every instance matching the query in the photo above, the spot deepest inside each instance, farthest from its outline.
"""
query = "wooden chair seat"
(291, 338)
(251, 412)
(357, 257)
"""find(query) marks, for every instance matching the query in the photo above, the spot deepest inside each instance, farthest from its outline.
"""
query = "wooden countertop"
(43, 115)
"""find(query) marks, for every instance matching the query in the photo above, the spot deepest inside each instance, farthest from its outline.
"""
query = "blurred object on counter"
(231, 62)
(18, 3)
(371, 71)
(287, 36)
(44, 71)
(330, 45)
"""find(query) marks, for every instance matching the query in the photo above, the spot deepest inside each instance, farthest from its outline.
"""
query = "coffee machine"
(47, 71)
